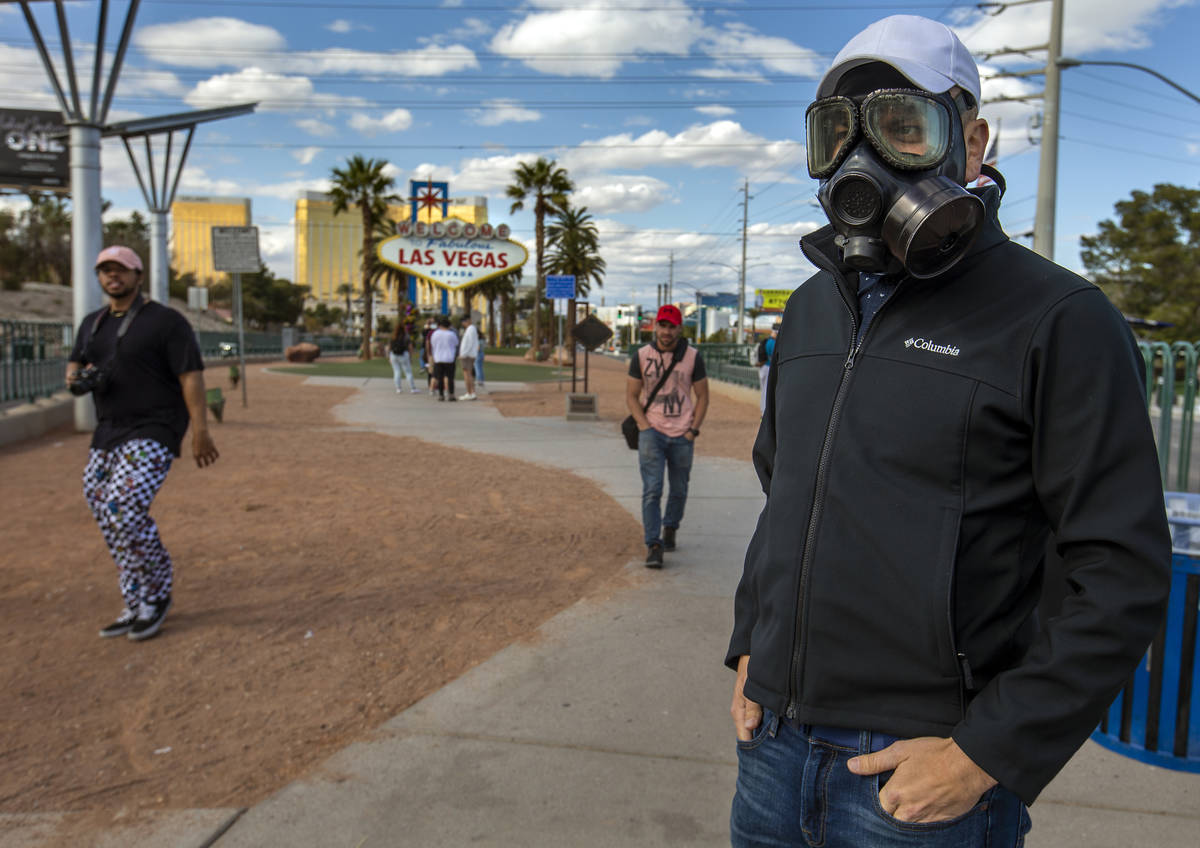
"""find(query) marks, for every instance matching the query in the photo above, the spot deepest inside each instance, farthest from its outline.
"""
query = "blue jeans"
(655, 451)
(402, 368)
(479, 363)
(794, 789)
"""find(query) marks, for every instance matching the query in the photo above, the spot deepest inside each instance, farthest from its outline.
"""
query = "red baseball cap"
(123, 256)
(669, 313)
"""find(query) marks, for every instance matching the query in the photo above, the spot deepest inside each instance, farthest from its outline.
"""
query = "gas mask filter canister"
(891, 167)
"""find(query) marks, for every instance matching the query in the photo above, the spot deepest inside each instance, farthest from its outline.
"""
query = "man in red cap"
(141, 363)
(662, 379)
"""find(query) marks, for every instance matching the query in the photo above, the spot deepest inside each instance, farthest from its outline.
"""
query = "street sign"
(591, 332)
(560, 286)
(235, 250)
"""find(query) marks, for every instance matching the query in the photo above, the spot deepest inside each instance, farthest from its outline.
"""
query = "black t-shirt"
(143, 398)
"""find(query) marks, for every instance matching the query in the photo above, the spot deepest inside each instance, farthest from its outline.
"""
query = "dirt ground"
(325, 581)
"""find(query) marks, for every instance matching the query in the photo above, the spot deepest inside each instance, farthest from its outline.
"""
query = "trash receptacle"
(1156, 718)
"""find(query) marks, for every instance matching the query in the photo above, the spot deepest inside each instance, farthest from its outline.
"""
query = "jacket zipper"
(856, 346)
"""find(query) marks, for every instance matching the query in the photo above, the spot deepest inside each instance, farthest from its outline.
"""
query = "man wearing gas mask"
(941, 401)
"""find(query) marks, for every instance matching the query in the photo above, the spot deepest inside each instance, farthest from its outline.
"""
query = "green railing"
(1171, 381)
(33, 354)
(33, 358)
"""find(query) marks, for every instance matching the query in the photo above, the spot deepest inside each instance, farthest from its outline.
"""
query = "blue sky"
(659, 109)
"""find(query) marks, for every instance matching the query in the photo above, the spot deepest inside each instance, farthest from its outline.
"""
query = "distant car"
(228, 350)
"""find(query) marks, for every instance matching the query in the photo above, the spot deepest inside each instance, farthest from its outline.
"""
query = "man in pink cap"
(663, 376)
(942, 404)
(141, 363)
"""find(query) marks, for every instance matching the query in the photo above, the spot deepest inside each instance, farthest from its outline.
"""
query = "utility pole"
(671, 280)
(1043, 225)
(741, 333)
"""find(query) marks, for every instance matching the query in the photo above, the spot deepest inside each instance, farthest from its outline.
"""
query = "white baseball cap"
(928, 53)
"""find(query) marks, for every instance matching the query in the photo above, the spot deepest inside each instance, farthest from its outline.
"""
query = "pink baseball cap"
(121, 255)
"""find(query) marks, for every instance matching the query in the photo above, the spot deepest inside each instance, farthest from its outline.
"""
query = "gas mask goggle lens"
(908, 129)
(891, 165)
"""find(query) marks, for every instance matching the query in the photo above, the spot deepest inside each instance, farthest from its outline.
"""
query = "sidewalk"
(611, 727)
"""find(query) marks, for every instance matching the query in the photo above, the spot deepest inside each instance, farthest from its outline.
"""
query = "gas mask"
(891, 166)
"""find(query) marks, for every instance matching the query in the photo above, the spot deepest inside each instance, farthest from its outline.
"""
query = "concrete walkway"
(611, 727)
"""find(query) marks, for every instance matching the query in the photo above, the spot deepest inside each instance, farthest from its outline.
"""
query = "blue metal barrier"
(1156, 718)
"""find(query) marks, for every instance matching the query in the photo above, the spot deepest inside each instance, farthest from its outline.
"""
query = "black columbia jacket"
(913, 481)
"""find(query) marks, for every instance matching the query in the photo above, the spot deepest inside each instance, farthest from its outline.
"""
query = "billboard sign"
(771, 300)
(452, 254)
(34, 153)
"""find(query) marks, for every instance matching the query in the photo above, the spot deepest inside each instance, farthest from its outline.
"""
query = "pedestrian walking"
(763, 354)
(942, 403)
(141, 364)
(427, 352)
(479, 365)
(443, 351)
(400, 349)
(663, 376)
(468, 349)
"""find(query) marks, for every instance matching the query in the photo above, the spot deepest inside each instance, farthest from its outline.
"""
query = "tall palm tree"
(364, 184)
(384, 276)
(575, 244)
(549, 185)
(501, 287)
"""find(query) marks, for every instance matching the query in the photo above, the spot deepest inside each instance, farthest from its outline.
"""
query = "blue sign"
(560, 286)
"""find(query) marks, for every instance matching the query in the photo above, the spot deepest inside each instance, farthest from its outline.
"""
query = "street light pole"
(1043, 225)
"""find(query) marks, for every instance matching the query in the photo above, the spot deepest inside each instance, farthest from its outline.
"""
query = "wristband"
(693, 431)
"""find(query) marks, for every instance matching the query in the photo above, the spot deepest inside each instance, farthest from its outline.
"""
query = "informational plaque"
(235, 250)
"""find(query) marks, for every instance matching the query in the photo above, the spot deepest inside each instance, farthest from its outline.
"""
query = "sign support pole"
(237, 300)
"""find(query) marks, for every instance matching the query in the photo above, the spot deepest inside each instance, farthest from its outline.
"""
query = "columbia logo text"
(926, 344)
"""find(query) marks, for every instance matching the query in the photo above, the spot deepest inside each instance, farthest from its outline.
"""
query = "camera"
(90, 379)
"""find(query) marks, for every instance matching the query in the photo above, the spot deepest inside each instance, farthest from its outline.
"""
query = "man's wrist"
(694, 432)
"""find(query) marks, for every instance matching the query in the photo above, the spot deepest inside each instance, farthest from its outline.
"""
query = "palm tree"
(364, 184)
(549, 185)
(501, 287)
(386, 276)
(575, 242)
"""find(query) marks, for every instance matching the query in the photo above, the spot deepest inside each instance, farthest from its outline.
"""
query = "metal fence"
(33, 354)
(1171, 388)
(33, 358)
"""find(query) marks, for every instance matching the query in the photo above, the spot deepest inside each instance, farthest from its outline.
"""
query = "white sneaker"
(469, 397)
(413, 391)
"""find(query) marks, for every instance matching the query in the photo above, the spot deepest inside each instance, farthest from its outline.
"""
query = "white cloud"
(638, 121)
(561, 41)
(316, 127)
(470, 29)
(306, 155)
(342, 26)
(273, 92)
(736, 40)
(1095, 25)
(431, 61)
(715, 111)
(397, 120)
(277, 245)
(1193, 149)
(207, 42)
(609, 194)
(719, 144)
(496, 112)
(194, 43)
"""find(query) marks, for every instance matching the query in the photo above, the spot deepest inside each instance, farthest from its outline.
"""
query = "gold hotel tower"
(192, 220)
(328, 248)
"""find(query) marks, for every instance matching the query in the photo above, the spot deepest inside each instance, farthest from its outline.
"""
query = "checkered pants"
(119, 486)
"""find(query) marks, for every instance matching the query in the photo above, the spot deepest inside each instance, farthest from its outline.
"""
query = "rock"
(303, 352)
